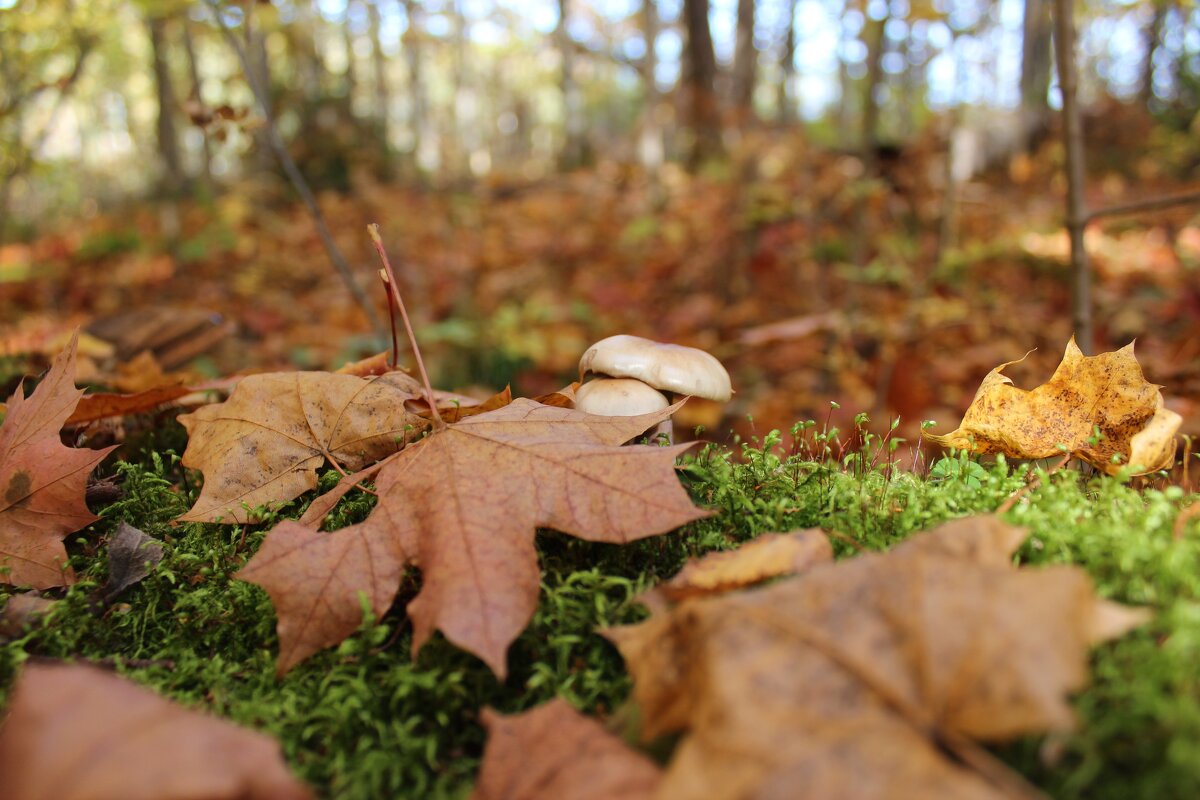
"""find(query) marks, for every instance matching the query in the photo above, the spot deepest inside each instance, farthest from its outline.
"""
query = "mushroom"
(619, 397)
(682, 371)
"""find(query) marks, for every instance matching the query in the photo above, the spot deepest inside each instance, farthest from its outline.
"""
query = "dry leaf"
(79, 733)
(452, 407)
(99, 406)
(855, 678)
(1106, 392)
(553, 752)
(129, 552)
(263, 445)
(463, 505)
(43, 481)
(20, 611)
(563, 398)
(768, 556)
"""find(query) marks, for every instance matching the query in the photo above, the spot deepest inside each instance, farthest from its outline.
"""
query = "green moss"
(364, 720)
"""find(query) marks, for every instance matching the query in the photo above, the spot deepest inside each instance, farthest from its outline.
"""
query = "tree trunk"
(572, 153)
(256, 63)
(699, 85)
(383, 92)
(416, 90)
(745, 63)
(1153, 39)
(786, 91)
(168, 138)
(351, 60)
(1035, 73)
(189, 47)
(868, 134)
(1081, 278)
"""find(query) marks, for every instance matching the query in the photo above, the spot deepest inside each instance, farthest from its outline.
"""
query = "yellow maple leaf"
(1100, 409)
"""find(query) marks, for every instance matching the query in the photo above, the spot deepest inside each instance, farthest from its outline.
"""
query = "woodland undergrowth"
(363, 720)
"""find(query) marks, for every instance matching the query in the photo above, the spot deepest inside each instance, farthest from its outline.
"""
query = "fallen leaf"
(563, 398)
(858, 678)
(263, 446)
(770, 555)
(79, 733)
(463, 505)
(553, 752)
(452, 407)
(1086, 393)
(142, 373)
(20, 611)
(43, 481)
(101, 405)
(378, 364)
(129, 552)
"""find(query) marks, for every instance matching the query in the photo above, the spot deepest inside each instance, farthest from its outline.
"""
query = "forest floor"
(508, 284)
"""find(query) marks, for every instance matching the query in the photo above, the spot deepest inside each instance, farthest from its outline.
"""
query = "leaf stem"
(373, 229)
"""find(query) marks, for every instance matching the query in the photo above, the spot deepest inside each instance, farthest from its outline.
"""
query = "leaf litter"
(871, 677)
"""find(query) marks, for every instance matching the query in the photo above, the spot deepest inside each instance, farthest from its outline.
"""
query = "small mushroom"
(667, 367)
(670, 368)
(619, 397)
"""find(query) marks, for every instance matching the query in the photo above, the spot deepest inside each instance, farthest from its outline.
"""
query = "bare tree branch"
(1150, 204)
(293, 172)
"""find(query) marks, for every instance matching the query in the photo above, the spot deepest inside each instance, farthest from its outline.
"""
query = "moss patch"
(364, 721)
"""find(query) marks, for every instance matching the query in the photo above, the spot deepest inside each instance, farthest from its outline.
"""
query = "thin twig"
(1152, 204)
(292, 171)
(387, 288)
(373, 229)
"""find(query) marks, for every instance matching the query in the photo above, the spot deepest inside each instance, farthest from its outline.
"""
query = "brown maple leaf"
(1105, 393)
(769, 555)
(463, 505)
(553, 752)
(856, 678)
(79, 733)
(43, 482)
(263, 446)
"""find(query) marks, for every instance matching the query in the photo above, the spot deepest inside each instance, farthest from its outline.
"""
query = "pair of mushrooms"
(631, 374)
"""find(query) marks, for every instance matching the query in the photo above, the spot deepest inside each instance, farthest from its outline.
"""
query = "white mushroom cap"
(618, 397)
(669, 367)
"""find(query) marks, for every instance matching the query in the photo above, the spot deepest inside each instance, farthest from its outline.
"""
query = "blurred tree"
(412, 44)
(702, 111)
(1035, 73)
(196, 98)
(574, 125)
(381, 86)
(786, 90)
(167, 136)
(1159, 10)
(651, 145)
(745, 63)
